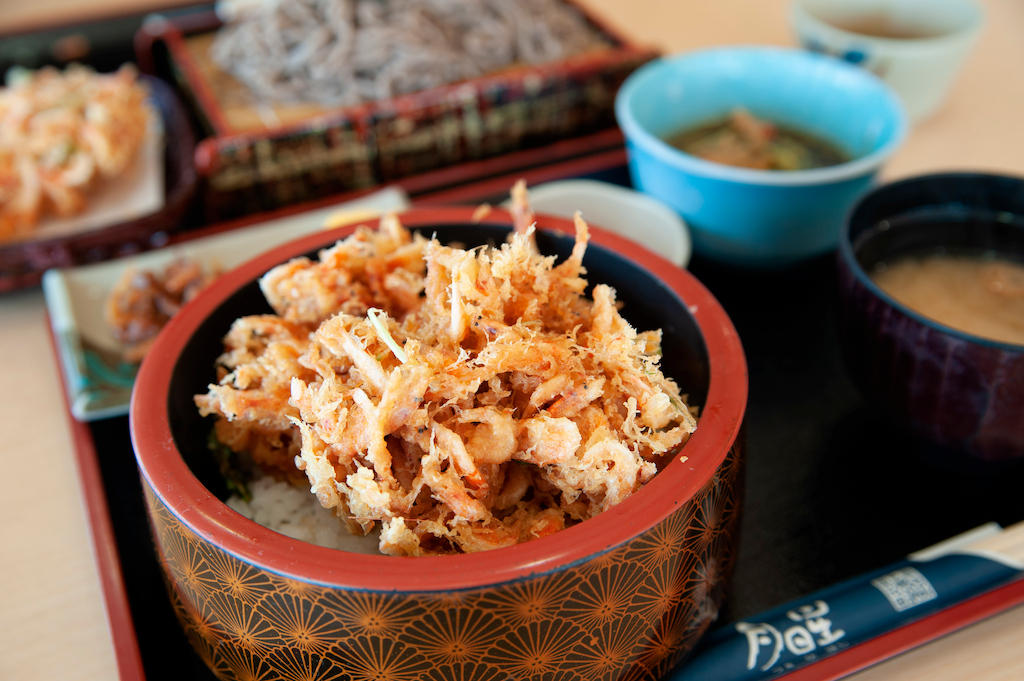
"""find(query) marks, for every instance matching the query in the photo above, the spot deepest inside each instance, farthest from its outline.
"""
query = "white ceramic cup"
(916, 46)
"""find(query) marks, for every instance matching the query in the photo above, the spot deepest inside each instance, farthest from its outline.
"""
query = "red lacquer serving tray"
(796, 538)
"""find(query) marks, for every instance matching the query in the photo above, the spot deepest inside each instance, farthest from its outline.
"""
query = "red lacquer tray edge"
(108, 563)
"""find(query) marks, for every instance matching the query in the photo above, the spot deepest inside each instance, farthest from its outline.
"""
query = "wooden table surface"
(51, 609)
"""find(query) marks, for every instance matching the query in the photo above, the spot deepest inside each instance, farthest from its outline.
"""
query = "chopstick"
(1008, 543)
(852, 612)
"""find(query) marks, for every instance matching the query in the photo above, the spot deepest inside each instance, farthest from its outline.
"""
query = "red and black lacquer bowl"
(961, 394)
(621, 596)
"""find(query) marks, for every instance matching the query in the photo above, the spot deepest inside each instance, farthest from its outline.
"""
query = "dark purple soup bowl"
(963, 395)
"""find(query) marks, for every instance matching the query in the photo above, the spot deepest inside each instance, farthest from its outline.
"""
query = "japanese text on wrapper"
(811, 630)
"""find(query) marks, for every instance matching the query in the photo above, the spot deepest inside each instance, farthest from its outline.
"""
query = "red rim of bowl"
(173, 482)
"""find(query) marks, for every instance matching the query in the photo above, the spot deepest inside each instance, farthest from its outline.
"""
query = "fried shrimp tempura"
(458, 400)
(61, 134)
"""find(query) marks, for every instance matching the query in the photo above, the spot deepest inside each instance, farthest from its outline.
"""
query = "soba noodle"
(343, 52)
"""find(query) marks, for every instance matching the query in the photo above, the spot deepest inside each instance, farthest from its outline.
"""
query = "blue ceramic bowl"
(962, 394)
(758, 217)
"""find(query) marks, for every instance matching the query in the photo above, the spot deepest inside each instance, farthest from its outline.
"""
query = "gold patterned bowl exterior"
(621, 596)
(629, 613)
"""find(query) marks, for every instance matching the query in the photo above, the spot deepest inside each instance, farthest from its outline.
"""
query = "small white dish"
(626, 212)
(98, 381)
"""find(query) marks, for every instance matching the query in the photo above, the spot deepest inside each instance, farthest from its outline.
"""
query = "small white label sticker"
(905, 588)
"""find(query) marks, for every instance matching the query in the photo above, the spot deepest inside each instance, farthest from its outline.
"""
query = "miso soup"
(983, 296)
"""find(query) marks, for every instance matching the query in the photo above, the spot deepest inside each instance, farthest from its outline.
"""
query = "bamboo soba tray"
(260, 156)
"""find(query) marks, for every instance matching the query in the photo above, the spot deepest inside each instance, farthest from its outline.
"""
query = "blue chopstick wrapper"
(844, 615)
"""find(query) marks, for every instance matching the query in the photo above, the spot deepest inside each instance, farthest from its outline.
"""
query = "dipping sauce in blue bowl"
(747, 216)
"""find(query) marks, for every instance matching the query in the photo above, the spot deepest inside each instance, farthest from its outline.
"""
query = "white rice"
(295, 512)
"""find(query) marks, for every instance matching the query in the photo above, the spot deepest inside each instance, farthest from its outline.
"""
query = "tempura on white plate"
(62, 133)
(456, 400)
